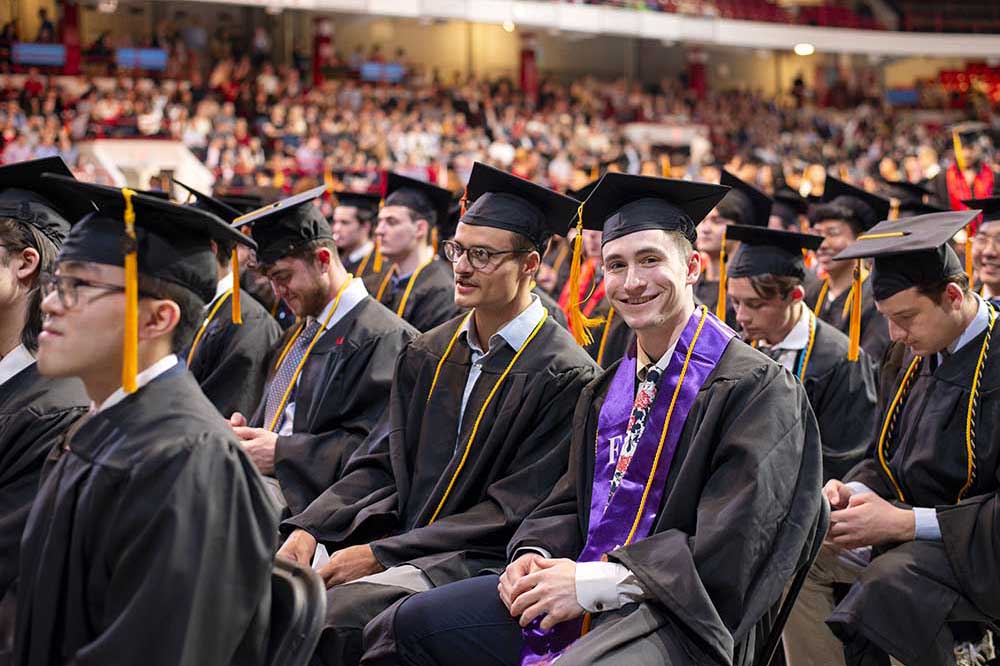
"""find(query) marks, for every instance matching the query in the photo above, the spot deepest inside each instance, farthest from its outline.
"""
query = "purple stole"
(632, 511)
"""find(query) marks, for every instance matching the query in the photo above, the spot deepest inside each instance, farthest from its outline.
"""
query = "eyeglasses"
(68, 286)
(479, 257)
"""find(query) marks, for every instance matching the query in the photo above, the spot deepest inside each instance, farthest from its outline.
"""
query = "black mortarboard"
(764, 251)
(24, 197)
(242, 202)
(786, 196)
(913, 208)
(211, 204)
(906, 192)
(911, 252)
(155, 194)
(990, 207)
(505, 201)
(168, 242)
(969, 129)
(754, 205)
(424, 198)
(360, 200)
(623, 204)
(286, 225)
(870, 209)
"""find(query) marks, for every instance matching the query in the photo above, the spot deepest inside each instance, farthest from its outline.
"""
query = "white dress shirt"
(352, 296)
(363, 250)
(796, 340)
(14, 362)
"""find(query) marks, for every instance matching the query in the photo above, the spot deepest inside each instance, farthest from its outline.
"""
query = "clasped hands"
(534, 586)
(865, 519)
(258, 443)
(345, 565)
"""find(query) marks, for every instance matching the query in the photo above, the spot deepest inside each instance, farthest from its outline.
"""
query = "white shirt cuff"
(926, 526)
(605, 586)
(531, 549)
(857, 487)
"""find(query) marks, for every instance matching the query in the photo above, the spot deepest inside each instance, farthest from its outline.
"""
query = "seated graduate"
(330, 375)
(986, 248)
(914, 530)
(229, 353)
(353, 225)
(692, 488)
(418, 285)
(152, 535)
(476, 433)
(765, 288)
(35, 411)
(845, 213)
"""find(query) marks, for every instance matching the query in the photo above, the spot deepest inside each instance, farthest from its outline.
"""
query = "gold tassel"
(377, 265)
(720, 307)
(956, 143)
(843, 173)
(435, 237)
(130, 344)
(237, 311)
(665, 165)
(279, 179)
(595, 172)
(893, 208)
(579, 323)
(968, 253)
(854, 339)
(328, 181)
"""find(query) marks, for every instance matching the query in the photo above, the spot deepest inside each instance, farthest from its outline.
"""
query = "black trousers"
(457, 624)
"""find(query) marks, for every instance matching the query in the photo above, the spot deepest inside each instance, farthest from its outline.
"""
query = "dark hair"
(191, 307)
(769, 286)
(835, 211)
(17, 237)
(934, 290)
(224, 251)
(304, 251)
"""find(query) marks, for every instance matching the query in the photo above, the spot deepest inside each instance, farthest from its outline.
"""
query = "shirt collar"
(978, 324)
(361, 252)
(798, 337)
(141, 379)
(353, 294)
(643, 361)
(515, 332)
(224, 285)
(14, 362)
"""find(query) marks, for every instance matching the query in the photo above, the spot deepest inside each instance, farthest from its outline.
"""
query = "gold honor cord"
(364, 263)
(604, 337)
(204, 325)
(237, 311)
(482, 411)
(850, 294)
(822, 296)
(298, 370)
(801, 374)
(130, 344)
(720, 306)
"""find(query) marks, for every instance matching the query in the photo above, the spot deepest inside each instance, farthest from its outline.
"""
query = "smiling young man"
(692, 487)
(914, 527)
(35, 411)
(329, 376)
(765, 288)
(845, 213)
(229, 352)
(476, 433)
(149, 512)
(418, 286)
(354, 219)
(986, 247)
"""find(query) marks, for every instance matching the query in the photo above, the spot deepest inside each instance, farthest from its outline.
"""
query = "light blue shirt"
(926, 526)
(514, 333)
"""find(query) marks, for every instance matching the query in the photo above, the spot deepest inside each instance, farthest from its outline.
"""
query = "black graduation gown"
(35, 411)
(706, 292)
(342, 392)
(619, 337)
(742, 496)
(393, 485)
(231, 360)
(874, 328)
(549, 303)
(369, 266)
(928, 458)
(150, 541)
(843, 397)
(431, 301)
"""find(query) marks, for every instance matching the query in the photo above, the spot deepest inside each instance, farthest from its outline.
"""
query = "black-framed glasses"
(479, 257)
(67, 287)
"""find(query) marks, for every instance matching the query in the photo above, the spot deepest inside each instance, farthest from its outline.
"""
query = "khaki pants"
(808, 641)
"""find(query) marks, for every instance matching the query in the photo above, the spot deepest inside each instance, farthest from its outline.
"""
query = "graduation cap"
(912, 252)
(789, 198)
(504, 201)
(869, 209)
(211, 204)
(244, 203)
(990, 207)
(147, 236)
(913, 208)
(766, 251)
(286, 225)
(360, 200)
(969, 130)
(424, 198)
(754, 205)
(623, 204)
(24, 197)
(155, 194)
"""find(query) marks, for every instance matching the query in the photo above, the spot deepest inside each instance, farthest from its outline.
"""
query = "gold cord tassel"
(720, 306)
(130, 343)
(968, 253)
(894, 208)
(237, 311)
(956, 143)
(579, 323)
(377, 265)
(435, 237)
(854, 339)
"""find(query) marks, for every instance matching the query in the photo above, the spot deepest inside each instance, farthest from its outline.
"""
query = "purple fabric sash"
(612, 523)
